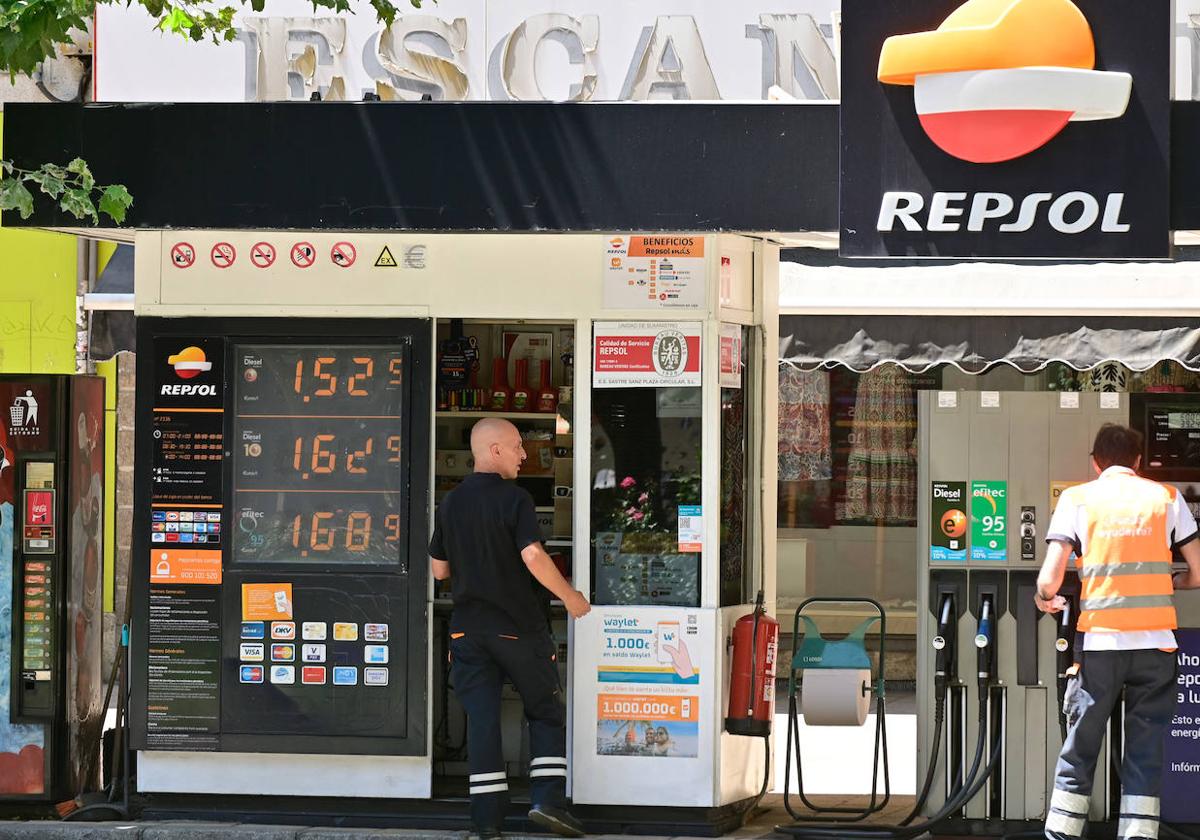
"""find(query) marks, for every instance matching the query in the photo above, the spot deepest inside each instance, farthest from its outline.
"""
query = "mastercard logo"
(189, 362)
(1000, 78)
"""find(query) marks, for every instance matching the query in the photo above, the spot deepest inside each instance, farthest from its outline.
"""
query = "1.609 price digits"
(319, 532)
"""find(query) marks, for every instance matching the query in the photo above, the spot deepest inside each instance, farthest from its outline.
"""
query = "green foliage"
(31, 31)
(72, 186)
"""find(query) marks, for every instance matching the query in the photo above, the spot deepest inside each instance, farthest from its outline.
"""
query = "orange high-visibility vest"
(1126, 572)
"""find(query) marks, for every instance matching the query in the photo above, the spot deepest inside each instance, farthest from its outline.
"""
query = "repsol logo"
(949, 212)
(189, 391)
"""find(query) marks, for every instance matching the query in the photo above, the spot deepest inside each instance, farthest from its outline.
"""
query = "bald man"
(487, 542)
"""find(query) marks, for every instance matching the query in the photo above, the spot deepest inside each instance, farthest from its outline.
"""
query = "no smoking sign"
(223, 255)
(262, 255)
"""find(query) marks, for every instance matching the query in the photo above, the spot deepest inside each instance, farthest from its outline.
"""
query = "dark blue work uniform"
(499, 629)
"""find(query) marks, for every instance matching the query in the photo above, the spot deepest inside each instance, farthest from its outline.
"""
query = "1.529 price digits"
(319, 377)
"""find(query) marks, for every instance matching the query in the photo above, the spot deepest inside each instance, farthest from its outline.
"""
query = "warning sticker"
(183, 255)
(343, 254)
(303, 254)
(385, 259)
(223, 255)
(262, 255)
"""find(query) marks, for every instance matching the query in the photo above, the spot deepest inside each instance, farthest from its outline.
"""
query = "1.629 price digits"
(317, 455)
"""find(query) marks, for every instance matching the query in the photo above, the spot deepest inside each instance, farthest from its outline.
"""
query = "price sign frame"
(344, 522)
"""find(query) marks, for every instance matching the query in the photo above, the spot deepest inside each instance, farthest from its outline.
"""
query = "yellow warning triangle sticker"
(385, 259)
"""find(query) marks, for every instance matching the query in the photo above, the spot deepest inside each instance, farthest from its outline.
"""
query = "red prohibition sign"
(343, 254)
(223, 255)
(262, 254)
(182, 255)
(303, 254)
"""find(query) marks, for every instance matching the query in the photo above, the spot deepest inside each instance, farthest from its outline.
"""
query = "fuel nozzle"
(985, 640)
(944, 643)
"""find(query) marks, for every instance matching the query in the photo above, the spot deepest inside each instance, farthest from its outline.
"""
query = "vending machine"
(280, 621)
(51, 568)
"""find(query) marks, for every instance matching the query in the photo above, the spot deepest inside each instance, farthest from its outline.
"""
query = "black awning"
(973, 343)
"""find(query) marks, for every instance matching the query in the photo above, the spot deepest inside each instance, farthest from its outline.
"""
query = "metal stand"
(876, 804)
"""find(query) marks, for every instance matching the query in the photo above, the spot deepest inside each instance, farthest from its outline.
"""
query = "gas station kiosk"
(304, 401)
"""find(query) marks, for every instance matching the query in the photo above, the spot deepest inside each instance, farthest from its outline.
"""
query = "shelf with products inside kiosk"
(318, 432)
(524, 373)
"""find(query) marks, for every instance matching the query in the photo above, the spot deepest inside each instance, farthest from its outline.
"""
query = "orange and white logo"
(189, 362)
(1000, 78)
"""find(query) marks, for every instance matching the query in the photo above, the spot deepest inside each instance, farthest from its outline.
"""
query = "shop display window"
(646, 445)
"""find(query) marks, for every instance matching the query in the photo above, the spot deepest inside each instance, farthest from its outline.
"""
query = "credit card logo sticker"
(253, 630)
(313, 675)
(313, 631)
(313, 653)
(375, 654)
(375, 632)
(283, 674)
(251, 652)
(251, 674)
(345, 676)
(283, 653)
(375, 676)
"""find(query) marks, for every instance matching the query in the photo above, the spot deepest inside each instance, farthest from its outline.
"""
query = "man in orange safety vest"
(1123, 530)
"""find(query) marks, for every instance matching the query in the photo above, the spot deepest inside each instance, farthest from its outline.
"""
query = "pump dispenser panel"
(1011, 454)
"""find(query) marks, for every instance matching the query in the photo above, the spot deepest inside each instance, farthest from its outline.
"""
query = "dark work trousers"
(479, 665)
(1147, 678)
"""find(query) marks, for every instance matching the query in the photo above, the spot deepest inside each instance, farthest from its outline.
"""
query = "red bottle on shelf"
(501, 394)
(547, 399)
(520, 390)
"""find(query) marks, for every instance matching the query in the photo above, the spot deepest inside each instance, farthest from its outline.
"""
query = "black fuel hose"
(939, 716)
(964, 794)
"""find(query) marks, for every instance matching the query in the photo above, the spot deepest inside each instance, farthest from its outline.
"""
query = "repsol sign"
(949, 212)
(188, 390)
(1031, 128)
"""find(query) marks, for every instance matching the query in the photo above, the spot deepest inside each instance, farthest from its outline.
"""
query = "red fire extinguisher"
(752, 681)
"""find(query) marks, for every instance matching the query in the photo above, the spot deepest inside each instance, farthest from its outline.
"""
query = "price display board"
(317, 454)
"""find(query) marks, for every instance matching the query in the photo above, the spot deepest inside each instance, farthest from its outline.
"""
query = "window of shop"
(736, 484)
(646, 445)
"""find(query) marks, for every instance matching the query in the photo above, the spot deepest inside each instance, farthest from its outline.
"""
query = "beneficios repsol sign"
(1005, 128)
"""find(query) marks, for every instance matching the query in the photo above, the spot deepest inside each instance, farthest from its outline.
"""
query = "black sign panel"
(1037, 128)
(183, 699)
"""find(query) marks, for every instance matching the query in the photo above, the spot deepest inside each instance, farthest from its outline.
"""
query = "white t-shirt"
(1069, 524)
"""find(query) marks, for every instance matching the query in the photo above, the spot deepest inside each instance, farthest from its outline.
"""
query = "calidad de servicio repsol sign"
(1005, 128)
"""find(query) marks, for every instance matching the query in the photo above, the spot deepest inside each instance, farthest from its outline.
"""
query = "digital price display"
(317, 454)
(1172, 438)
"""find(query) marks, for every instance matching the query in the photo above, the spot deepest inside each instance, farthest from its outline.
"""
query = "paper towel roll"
(835, 696)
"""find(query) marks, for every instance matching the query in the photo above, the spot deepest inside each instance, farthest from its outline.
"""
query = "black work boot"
(558, 820)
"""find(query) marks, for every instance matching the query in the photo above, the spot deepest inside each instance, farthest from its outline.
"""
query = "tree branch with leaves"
(32, 30)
